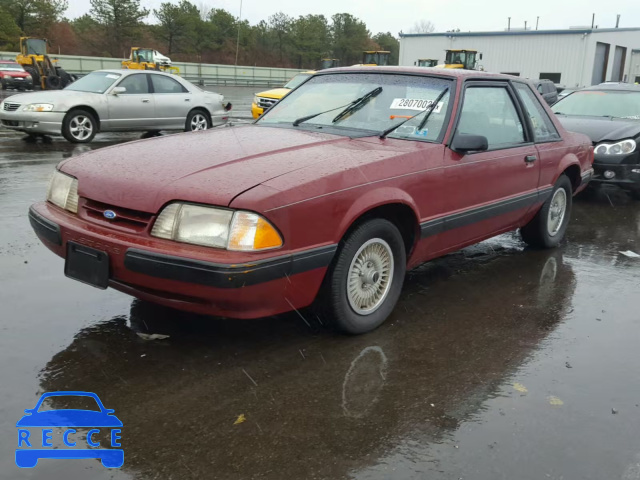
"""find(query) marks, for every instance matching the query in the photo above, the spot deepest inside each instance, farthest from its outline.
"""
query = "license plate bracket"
(87, 265)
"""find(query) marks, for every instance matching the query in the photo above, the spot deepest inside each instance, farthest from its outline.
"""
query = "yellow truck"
(467, 59)
(264, 100)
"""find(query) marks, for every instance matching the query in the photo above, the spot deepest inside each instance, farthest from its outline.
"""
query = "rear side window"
(162, 84)
(135, 84)
(490, 112)
(543, 128)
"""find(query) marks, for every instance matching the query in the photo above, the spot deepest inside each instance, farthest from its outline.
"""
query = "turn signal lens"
(250, 232)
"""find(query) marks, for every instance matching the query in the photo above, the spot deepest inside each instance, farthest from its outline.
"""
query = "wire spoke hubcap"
(198, 122)
(557, 211)
(80, 127)
(369, 277)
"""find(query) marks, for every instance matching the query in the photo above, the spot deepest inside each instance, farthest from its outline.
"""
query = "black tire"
(34, 75)
(52, 82)
(334, 302)
(77, 116)
(197, 120)
(537, 232)
(65, 78)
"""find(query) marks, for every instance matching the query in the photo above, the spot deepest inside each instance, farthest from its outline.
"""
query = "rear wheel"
(197, 120)
(79, 126)
(34, 75)
(365, 280)
(65, 78)
(52, 82)
(548, 227)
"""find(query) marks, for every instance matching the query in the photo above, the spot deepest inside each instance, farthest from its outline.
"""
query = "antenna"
(618, 21)
(509, 24)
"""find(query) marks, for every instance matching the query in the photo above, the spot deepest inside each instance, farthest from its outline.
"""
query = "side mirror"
(463, 143)
(118, 90)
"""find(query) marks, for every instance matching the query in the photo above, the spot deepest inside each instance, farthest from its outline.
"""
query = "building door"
(619, 56)
(600, 63)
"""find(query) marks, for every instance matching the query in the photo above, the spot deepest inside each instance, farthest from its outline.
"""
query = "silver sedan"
(115, 101)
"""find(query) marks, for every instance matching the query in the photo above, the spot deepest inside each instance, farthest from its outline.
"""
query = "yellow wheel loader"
(45, 72)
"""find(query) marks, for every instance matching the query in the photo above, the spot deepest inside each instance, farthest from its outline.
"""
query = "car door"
(488, 192)
(173, 101)
(133, 109)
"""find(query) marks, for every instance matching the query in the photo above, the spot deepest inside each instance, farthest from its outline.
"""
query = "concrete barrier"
(200, 73)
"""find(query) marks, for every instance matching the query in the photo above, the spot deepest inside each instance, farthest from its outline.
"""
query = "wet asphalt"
(499, 362)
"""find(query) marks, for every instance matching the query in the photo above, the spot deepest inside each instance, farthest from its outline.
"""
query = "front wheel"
(548, 227)
(197, 120)
(79, 126)
(364, 282)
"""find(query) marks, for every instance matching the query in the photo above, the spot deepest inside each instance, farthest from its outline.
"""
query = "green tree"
(224, 27)
(34, 17)
(280, 28)
(9, 32)
(388, 42)
(120, 21)
(350, 38)
(178, 25)
(311, 40)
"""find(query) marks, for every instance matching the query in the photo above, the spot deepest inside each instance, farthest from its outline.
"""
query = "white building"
(573, 58)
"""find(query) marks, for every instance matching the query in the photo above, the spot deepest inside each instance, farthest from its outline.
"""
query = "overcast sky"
(397, 15)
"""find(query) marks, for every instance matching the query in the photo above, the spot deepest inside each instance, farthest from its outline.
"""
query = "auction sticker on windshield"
(414, 104)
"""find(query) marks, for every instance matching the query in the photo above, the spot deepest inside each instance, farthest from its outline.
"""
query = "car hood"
(69, 418)
(600, 129)
(46, 96)
(277, 93)
(13, 73)
(205, 167)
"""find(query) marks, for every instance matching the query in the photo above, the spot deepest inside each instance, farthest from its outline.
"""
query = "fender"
(567, 161)
(371, 200)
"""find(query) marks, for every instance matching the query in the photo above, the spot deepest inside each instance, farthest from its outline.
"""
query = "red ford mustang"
(354, 177)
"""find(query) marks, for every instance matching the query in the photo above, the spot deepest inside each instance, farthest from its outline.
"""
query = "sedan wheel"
(547, 228)
(364, 281)
(557, 211)
(196, 121)
(79, 126)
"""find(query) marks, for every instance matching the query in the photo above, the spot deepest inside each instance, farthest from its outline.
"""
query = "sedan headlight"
(621, 148)
(63, 191)
(216, 227)
(256, 100)
(38, 107)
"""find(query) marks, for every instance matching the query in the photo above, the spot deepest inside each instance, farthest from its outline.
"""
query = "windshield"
(297, 80)
(96, 82)
(36, 47)
(600, 103)
(11, 67)
(402, 96)
(461, 58)
(376, 58)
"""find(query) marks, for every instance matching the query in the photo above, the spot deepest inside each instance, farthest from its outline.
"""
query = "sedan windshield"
(11, 67)
(297, 80)
(399, 97)
(96, 82)
(600, 103)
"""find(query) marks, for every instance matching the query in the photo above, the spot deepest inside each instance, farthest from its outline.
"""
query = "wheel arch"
(199, 108)
(89, 109)
(570, 166)
(391, 204)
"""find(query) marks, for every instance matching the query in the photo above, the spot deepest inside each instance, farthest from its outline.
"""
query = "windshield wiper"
(429, 110)
(309, 117)
(357, 104)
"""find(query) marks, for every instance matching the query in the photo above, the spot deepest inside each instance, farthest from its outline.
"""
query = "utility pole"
(239, 25)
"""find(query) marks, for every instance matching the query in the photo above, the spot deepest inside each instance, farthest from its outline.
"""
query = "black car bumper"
(622, 175)
(17, 83)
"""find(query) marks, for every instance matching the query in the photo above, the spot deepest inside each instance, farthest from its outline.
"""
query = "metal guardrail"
(200, 73)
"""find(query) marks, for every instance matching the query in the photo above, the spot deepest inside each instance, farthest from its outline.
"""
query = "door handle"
(145, 100)
(530, 158)
(187, 99)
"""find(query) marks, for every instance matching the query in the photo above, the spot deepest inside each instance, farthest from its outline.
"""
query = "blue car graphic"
(69, 418)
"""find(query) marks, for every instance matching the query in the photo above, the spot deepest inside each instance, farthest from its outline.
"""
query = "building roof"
(573, 31)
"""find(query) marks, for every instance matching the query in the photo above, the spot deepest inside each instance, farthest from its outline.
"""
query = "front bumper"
(17, 82)
(256, 111)
(33, 122)
(627, 176)
(150, 269)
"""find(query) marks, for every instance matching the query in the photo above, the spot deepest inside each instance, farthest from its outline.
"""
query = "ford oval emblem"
(110, 214)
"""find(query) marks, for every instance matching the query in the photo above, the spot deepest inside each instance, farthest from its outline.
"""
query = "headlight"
(621, 148)
(29, 77)
(215, 227)
(63, 191)
(256, 100)
(38, 107)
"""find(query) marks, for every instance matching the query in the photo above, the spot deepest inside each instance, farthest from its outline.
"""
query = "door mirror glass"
(118, 90)
(464, 143)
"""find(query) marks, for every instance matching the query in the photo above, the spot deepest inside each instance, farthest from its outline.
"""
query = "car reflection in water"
(318, 405)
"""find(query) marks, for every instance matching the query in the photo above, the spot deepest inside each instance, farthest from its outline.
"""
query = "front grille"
(11, 107)
(126, 219)
(266, 102)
